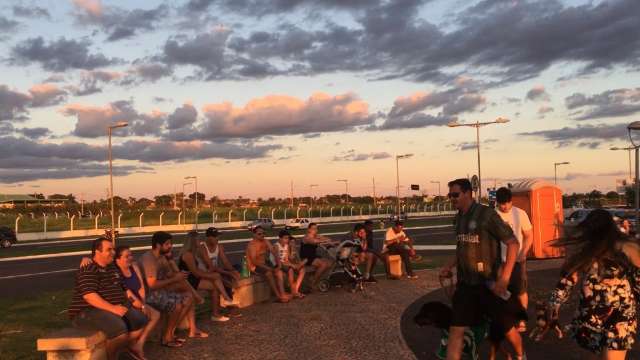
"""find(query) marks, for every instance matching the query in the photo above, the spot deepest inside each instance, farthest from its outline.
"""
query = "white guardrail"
(31, 236)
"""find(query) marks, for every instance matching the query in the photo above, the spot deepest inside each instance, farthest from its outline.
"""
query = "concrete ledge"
(251, 290)
(73, 344)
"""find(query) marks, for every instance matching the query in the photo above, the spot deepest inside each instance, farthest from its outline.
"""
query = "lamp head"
(502, 120)
(119, 124)
(453, 123)
(634, 125)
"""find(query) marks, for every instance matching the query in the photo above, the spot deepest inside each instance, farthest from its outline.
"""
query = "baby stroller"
(345, 267)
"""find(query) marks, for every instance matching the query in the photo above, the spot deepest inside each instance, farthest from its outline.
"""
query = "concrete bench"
(395, 266)
(74, 344)
(251, 290)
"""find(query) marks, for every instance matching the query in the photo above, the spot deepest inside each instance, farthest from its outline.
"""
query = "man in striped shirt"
(100, 302)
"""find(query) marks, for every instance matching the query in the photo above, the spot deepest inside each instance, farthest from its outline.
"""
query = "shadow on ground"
(424, 341)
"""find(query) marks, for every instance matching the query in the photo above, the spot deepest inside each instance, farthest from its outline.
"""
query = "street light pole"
(398, 157)
(478, 125)
(183, 207)
(635, 126)
(113, 214)
(629, 148)
(311, 193)
(555, 170)
(437, 182)
(346, 184)
(195, 180)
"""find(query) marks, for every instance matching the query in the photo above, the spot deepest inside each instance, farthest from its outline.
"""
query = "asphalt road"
(33, 276)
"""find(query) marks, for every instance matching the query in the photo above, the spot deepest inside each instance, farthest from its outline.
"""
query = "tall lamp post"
(195, 180)
(346, 184)
(113, 212)
(398, 157)
(183, 207)
(635, 126)
(437, 182)
(555, 170)
(311, 193)
(629, 148)
(478, 125)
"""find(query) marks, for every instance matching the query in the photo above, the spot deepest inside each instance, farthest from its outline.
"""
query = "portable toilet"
(542, 201)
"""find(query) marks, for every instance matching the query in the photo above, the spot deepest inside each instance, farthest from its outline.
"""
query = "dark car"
(7, 237)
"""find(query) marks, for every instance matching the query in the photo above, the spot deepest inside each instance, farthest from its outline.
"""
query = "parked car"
(301, 223)
(576, 217)
(579, 215)
(265, 223)
(7, 237)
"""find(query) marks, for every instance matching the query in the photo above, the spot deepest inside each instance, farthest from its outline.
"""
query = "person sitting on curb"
(396, 243)
(166, 288)
(216, 260)
(289, 264)
(258, 253)
(100, 303)
(191, 261)
(309, 252)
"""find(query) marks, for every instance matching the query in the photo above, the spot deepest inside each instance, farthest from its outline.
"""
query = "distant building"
(12, 201)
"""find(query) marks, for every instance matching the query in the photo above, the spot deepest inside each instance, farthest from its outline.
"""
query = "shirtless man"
(258, 259)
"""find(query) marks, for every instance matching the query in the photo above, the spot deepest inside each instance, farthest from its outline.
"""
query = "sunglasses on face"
(260, 233)
(453, 195)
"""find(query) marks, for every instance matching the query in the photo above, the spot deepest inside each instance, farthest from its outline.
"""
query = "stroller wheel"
(323, 285)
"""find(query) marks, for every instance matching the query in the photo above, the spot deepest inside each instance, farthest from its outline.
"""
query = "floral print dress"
(606, 315)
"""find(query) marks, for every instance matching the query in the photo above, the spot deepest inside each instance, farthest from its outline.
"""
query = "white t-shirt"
(519, 222)
(283, 252)
(393, 235)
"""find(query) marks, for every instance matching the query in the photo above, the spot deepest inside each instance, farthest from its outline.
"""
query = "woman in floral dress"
(607, 261)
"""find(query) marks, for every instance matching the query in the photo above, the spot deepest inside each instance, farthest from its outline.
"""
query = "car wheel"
(5, 243)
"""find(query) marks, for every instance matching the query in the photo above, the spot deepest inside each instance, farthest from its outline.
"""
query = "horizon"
(251, 96)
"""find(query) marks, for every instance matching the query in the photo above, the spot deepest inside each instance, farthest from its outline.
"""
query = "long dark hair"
(595, 240)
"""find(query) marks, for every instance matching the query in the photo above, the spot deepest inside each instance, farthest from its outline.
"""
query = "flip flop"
(199, 335)
(172, 344)
(180, 340)
(134, 355)
(299, 296)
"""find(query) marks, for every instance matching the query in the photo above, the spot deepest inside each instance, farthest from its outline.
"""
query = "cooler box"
(543, 203)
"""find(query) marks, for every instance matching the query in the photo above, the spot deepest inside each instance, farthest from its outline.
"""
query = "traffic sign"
(475, 183)
(415, 187)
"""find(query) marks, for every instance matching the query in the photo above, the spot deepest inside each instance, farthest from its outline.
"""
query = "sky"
(251, 95)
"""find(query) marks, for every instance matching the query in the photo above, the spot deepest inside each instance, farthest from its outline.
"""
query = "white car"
(264, 223)
(302, 223)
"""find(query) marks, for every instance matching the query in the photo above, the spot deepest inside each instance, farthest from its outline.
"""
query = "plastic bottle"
(244, 273)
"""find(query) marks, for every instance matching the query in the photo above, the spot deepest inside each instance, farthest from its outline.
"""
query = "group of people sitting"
(125, 298)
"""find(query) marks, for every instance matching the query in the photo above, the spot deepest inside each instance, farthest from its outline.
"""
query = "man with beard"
(166, 288)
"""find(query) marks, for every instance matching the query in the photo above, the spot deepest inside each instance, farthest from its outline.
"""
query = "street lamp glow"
(478, 125)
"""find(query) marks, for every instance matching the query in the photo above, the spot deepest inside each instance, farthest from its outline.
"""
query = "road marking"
(233, 241)
(36, 274)
(434, 247)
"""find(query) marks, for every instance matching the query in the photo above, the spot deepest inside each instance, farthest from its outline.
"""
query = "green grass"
(25, 319)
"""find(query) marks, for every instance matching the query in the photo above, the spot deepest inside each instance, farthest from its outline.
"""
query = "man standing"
(99, 302)
(519, 222)
(258, 258)
(396, 243)
(482, 278)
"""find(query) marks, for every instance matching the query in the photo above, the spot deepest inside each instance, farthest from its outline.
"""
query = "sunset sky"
(249, 95)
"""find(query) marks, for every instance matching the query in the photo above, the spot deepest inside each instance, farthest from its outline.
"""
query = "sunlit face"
(361, 234)
(459, 198)
(312, 230)
(125, 259)
(106, 254)
(284, 240)
(212, 240)
(506, 207)
(166, 247)
(259, 234)
(398, 228)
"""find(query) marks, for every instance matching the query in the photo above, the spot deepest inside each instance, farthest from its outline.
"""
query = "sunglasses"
(453, 195)
(260, 233)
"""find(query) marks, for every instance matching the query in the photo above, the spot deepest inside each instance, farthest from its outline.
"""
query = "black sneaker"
(371, 279)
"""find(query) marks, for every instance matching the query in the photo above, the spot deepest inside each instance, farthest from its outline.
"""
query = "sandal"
(199, 335)
(298, 295)
(135, 356)
(180, 340)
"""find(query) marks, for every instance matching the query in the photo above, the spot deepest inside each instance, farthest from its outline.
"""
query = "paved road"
(32, 276)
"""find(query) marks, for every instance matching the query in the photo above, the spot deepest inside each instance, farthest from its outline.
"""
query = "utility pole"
(375, 202)
(291, 202)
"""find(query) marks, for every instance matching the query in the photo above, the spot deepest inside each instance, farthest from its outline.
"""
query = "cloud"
(46, 95)
(91, 81)
(585, 134)
(538, 93)
(161, 151)
(182, 117)
(118, 23)
(351, 155)
(31, 12)
(283, 115)
(544, 109)
(149, 72)
(59, 55)
(34, 133)
(610, 103)
(8, 25)
(413, 121)
(205, 51)
(92, 121)
(13, 104)
(471, 145)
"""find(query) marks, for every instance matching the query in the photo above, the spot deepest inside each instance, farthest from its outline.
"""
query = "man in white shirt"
(519, 222)
(396, 242)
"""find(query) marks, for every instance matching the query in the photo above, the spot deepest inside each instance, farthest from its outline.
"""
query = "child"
(289, 263)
